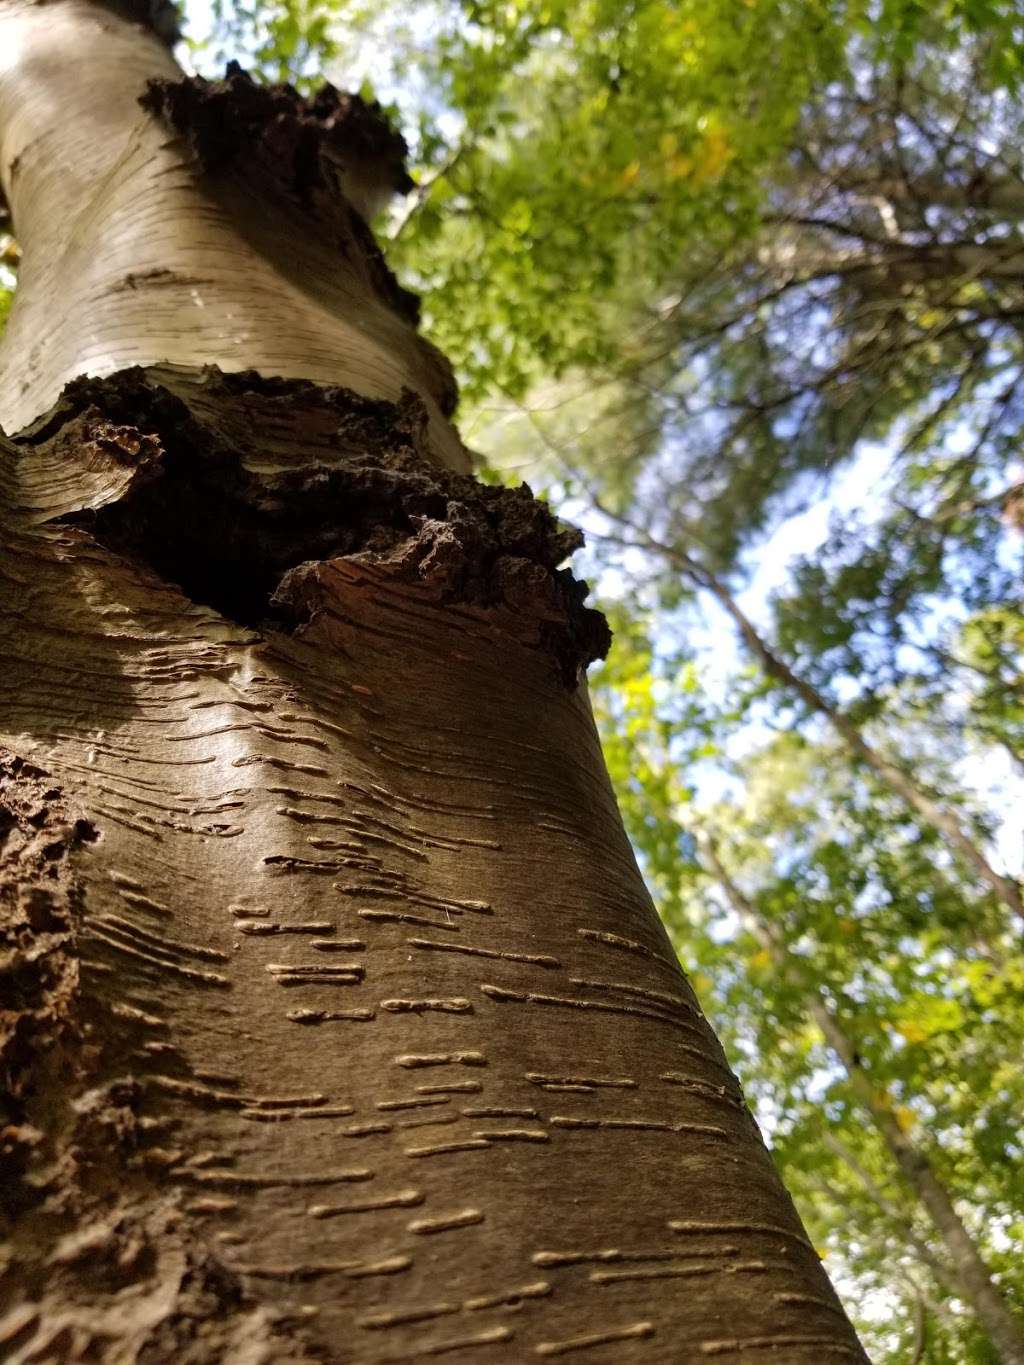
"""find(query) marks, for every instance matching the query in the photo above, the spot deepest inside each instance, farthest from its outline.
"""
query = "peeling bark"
(310, 149)
(181, 489)
(355, 1036)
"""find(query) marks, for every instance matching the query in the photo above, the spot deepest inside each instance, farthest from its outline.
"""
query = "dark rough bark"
(38, 902)
(235, 527)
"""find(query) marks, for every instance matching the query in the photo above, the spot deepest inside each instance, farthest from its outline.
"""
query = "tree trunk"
(968, 1271)
(899, 782)
(338, 1024)
(892, 1215)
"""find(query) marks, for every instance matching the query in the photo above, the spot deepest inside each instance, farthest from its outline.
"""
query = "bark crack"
(242, 522)
(38, 910)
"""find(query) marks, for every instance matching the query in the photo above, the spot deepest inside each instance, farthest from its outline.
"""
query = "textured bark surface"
(336, 1024)
(344, 1028)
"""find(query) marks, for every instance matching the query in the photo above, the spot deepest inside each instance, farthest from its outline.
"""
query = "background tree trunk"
(337, 1021)
(891, 774)
(970, 1274)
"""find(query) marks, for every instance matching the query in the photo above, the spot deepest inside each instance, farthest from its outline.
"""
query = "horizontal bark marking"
(286, 1115)
(428, 1226)
(678, 1272)
(628, 945)
(158, 942)
(500, 954)
(511, 1298)
(429, 1120)
(270, 1106)
(613, 1254)
(138, 901)
(160, 962)
(452, 1005)
(499, 1112)
(378, 1322)
(718, 1094)
(799, 1301)
(232, 1179)
(403, 1199)
(263, 929)
(513, 1135)
(633, 1332)
(418, 1059)
(737, 1345)
(455, 1088)
(399, 917)
(690, 1227)
(315, 1270)
(419, 1102)
(492, 1336)
(325, 971)
(580, 1082)
(660, 998)
(504, 995)
(444, 1148)
(640, 1125)
(312, 1017)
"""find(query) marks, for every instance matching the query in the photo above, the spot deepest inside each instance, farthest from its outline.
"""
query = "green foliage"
(646, 704)
(652, 114)
(601, 137)
(750, 235)
(279, 40)
(8, 265)
(876, 921)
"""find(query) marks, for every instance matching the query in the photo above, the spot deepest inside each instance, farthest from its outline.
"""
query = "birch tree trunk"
(337, 1022)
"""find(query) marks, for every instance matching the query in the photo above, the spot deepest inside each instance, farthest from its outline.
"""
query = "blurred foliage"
(8, 268)
(282, 40)
(712, 247)
(877, 923)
